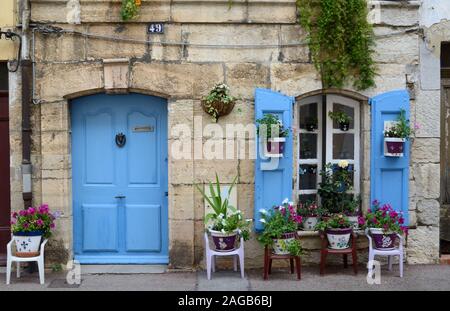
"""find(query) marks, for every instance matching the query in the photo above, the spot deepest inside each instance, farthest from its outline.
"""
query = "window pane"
(303, 198)
(308, 117)
(347, 110)
(3, 76)
(308, 177)
(308, 146)
(343, 146)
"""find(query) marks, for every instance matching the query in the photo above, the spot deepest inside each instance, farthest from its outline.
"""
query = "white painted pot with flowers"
(225, 222)
(29, 227)
(272, 134)
(338, 231)
(280, 229)
(311, 214)
(396, 133)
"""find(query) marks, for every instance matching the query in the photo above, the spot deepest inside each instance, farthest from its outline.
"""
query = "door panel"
(119, 192)
(5, 209)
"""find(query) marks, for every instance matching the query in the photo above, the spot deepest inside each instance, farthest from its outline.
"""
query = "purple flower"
(43, 209)
(375, 202)
(393, 214)
(31, 211)
(52, 225)
(22, 212)
(14, 215)
(26, 225)
(39, 222)
(361, 220)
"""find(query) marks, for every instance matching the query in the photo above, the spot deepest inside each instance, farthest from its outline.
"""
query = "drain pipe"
(26, 68)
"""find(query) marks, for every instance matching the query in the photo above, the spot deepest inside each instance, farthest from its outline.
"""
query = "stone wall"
(70, 65)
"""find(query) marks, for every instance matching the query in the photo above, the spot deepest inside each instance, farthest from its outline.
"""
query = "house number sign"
(157, 28)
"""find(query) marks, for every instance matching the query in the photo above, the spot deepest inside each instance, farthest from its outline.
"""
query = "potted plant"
(383, 223)
(218, 102)
(351, 209)
(338, 230)
(311, 214)
(271, 130)
(280, 229)
(29, 226)
(311, 124)
(130, 9)
(225, 222)
(341, 118)
(396, 135)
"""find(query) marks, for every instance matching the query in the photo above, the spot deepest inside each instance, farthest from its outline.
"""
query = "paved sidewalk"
(428, 277)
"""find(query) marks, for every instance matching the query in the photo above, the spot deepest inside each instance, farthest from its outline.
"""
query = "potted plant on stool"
(225, 221)
(311, 214)
(273, 133)
(338, 230)
(29, 227)
(383, 223)
(280, 229)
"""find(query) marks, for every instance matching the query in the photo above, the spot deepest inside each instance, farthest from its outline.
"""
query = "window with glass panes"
(321, 140)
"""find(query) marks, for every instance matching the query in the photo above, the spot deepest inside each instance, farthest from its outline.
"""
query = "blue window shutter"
(273, 185)
(389, 177)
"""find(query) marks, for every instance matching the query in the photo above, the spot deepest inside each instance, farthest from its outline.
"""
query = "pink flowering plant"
(34, 219)
(310, 209)
(383, 217)
(278, 221)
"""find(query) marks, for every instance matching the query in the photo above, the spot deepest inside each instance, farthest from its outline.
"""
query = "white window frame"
(330, 100)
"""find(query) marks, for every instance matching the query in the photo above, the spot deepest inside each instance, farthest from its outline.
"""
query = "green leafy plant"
(340, 117)
(56, 267)
(225, 217)
(272, 126)
(401, 128)
(130, 9)
(280, 220)
(218, 100)
(336, 221)
(341, 41)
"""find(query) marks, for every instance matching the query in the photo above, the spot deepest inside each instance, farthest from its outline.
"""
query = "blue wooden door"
(389, 177)
(120, 191)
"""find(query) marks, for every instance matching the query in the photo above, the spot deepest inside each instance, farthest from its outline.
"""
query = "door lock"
(120, 197)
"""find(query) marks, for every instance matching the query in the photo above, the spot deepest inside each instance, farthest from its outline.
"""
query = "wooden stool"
(269, 256)
(351, 250)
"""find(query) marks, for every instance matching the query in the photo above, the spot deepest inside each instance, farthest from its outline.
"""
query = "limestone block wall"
(71, 65)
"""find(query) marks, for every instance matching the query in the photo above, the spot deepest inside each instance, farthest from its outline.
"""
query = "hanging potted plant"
(342, 119)
(29, 227)
(384, 223)
(218, 102)
(280, 229)
(225, 222)
(338, 230)
(311, 214)
(272, 132)
(396, 135)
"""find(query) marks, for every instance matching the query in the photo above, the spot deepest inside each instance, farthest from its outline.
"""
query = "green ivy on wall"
(341, 41)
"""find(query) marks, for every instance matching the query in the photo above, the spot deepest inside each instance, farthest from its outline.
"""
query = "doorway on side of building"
(445, 150)
(120, 179)
(5, 203)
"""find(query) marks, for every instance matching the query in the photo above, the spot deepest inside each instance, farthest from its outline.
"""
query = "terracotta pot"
(224, 242)
(27, 243)
(221, 108)
(339, 238)
(394, 146)
(383, 240)
(280, 246)
(276, 145)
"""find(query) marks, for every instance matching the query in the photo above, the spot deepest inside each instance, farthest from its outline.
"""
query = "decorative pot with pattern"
(276, 145)
(309, 223)
(394, 146)
(280, 246)
(383, 240)
(339, 238)
(224, 242)
(27, 243)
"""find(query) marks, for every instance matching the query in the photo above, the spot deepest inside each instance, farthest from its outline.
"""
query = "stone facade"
(71, 65)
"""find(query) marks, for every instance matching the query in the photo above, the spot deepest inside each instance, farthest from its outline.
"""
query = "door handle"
(120, 197)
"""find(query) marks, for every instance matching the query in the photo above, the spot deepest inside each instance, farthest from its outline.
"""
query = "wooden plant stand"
(344, 252)
(269, 257)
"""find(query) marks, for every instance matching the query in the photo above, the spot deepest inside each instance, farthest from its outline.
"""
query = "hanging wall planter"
(275, 146)
(394, 146)
(395, 135)
(218, 102)
(272, 135)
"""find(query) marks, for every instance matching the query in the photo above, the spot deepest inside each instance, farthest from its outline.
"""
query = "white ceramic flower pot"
(27, 243)
(309, 223)
(280, 246)
(339, 238)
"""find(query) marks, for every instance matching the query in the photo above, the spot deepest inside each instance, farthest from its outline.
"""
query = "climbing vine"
(341, 41)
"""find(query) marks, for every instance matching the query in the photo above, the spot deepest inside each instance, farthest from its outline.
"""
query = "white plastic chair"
(398, 251)
(11, 258)
(211, 262)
